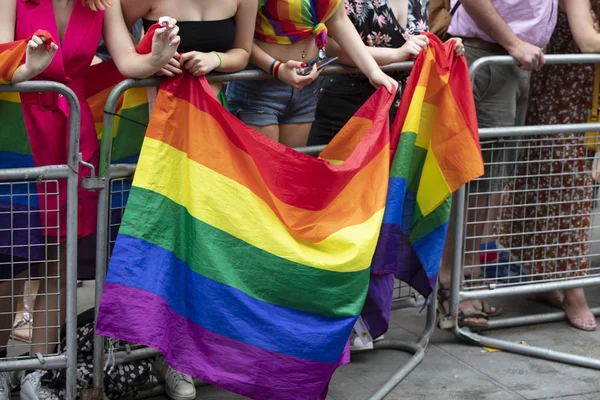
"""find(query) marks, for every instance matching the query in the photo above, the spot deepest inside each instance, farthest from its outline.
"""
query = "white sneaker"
(356, 343)
(177, 385)
(4, 386)
(31, 387)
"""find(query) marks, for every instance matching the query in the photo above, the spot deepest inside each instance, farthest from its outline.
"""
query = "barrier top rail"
(550, 59)
(246, 75)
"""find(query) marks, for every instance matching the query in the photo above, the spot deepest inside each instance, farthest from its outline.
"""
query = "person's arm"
(133, 10)
(383, 55)
(286, 72)
(342, 30)
(121, 47)
(582, 25)
(487, 18)
(37, 57)
(235, 59)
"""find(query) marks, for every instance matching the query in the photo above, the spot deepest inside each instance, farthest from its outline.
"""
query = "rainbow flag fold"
(239, 258)
(438, 152)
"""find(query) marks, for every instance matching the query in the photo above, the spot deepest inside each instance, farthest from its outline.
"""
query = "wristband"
(274, 69)
(219, 57)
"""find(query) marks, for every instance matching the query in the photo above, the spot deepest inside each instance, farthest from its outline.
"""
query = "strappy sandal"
(486, 312)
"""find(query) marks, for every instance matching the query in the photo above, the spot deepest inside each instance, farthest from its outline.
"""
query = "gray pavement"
(453, 370)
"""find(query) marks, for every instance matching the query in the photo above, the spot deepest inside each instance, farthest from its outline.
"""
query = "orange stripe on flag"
(237, 165)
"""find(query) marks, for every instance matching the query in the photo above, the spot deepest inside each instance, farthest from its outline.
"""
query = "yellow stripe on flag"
(348, 250)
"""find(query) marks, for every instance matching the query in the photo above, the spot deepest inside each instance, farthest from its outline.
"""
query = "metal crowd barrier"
(112, 177)
(524, 266)
(50, 175)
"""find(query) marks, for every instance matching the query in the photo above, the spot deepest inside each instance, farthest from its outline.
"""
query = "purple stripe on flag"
(377, 308)
(395, 254)
(141, 317)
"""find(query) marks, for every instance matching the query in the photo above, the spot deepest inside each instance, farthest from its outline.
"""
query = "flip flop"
(444, 297)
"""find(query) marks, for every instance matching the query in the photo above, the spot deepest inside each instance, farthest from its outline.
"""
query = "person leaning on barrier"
(286, 41)
(216, 36)
(495, 27)
(553, 179)
(47, 126)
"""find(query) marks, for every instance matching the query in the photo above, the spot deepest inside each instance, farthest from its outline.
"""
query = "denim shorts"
(272, 102)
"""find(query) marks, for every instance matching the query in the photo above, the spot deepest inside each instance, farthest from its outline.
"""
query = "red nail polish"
(303, 65)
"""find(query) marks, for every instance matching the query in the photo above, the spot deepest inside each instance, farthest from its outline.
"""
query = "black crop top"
(204, 36)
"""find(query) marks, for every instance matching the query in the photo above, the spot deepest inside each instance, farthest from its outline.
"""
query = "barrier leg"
(72, 209)
(417, 349)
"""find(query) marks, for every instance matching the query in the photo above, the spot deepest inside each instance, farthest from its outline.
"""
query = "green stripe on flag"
(293, 285)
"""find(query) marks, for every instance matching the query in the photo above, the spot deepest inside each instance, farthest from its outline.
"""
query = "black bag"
(120, 381)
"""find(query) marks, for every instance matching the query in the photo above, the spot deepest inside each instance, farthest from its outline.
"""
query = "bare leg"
(7, 290)
(294, 135)
(46, 323)
(270, 131)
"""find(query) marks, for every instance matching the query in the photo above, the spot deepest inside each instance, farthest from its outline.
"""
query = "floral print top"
(377, 25)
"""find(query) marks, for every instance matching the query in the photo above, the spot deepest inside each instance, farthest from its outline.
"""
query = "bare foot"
(578, 311)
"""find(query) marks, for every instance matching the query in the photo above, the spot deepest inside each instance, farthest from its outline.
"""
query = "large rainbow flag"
(239, 258)
(20, 224)
(437, 153)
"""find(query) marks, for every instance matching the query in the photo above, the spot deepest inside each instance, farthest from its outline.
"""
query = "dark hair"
(596, 7)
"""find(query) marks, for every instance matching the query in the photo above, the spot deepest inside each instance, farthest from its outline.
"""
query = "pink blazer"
(46, 115)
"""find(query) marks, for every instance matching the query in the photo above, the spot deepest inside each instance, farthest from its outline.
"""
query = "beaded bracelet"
(274, 68)
(219, 57)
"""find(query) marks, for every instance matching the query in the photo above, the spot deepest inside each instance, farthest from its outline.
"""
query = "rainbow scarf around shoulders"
(437, 153)
(239, 258)
(20, 224)
(289, 21)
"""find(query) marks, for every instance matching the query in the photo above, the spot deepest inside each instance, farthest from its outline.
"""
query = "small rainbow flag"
(130, 123)
(20, 224)
(437, 153)
(132, 115)
(239, 258)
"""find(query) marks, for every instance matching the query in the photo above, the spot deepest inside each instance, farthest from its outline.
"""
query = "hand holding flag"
(38, 56)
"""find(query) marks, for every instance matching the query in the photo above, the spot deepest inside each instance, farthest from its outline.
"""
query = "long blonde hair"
(93, 4)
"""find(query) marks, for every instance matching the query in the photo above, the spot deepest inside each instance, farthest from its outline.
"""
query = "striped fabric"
(239, 258)
(437, 153)
(131, 117)
(290, 21)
